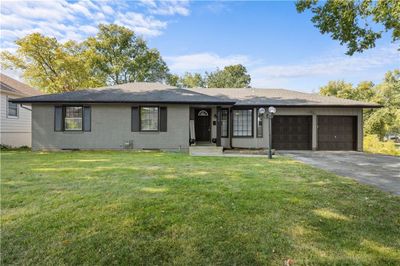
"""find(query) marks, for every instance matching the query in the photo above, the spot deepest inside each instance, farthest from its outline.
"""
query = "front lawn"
(164, 208)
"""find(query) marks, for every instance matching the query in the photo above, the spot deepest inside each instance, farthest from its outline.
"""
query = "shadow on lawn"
(360, 238)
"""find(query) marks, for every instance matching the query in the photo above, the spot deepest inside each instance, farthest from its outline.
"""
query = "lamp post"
(270, 115)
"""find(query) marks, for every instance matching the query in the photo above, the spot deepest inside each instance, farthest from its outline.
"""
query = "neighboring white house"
(15, 119)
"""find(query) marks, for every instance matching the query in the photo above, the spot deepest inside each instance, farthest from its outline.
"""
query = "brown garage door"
(291, 132)
(337, 132)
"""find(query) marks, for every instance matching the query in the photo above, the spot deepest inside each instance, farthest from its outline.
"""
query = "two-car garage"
(294, 132)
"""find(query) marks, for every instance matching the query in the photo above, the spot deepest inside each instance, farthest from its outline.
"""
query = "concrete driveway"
(381, 171)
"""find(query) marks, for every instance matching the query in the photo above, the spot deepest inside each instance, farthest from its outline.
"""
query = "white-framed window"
(149, 118)
(243, 123)
(73, 118)
(12, 109)
(202, 113)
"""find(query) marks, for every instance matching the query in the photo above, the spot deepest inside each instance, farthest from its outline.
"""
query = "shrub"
(5, 147)
(372, 144)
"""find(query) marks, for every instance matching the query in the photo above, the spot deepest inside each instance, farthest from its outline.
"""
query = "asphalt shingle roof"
(138, 92)
(142, 92)
(11, 85)
(278, 97)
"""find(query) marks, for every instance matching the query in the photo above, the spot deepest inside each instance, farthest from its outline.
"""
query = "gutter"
(310, 106)
(120, 102)
(26, 108)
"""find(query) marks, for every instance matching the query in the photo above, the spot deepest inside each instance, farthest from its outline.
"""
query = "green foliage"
(153, 208)
(4, 147)
(234, 76)
(387, 94)
(349, 21)
(378, 121)
(372, 144)
(194, 80)
(364, 91)
(114, 56)
(51, 66)
(338, 88)
(118, 55)
(172, 80)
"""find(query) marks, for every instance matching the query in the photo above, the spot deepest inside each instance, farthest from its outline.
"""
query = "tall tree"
(338, 88)
(51, 66)
(234, 76)
(378, 121)
(114, 56)
(364, 91)
(386, 119)
(194, 80)
(120, 56)
(349, 21)
(173, 80)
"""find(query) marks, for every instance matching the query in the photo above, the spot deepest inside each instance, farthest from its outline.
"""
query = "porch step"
(205, 151)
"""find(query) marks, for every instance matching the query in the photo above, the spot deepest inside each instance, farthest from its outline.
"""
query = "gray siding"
(111, 129)
(14, 131)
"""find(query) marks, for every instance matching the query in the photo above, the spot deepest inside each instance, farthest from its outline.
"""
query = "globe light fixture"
(272, 110)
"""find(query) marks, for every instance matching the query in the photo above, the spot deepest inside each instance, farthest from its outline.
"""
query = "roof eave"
(311, 105)
(121, 102)
(27, 100)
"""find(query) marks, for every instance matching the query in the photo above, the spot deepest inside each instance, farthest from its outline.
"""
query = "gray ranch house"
(156, 116)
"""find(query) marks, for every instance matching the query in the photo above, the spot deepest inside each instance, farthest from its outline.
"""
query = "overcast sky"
(279, 47)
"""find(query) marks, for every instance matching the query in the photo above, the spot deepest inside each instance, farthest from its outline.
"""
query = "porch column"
(219, 124)
(191, 125)
(360, 131)
(314, 133)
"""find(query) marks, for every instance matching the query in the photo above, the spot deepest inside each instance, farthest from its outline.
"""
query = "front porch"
(205, 126)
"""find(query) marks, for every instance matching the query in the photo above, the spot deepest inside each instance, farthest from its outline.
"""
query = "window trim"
(262, 124)
(252, 122)
(158, 118)
(8, 104)
(64, 114)
(227, 123)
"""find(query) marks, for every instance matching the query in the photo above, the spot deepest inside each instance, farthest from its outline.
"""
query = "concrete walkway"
(382, 171)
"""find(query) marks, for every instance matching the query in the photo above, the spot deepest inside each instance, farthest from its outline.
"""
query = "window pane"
(12, 109)
(242, 123)
(149, 118)
(73, 118)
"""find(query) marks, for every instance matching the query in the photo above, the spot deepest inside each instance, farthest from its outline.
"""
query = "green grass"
(168, 208)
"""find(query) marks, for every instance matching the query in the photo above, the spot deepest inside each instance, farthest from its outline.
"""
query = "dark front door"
(291, 132)
(203, 124)
(337, 132)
